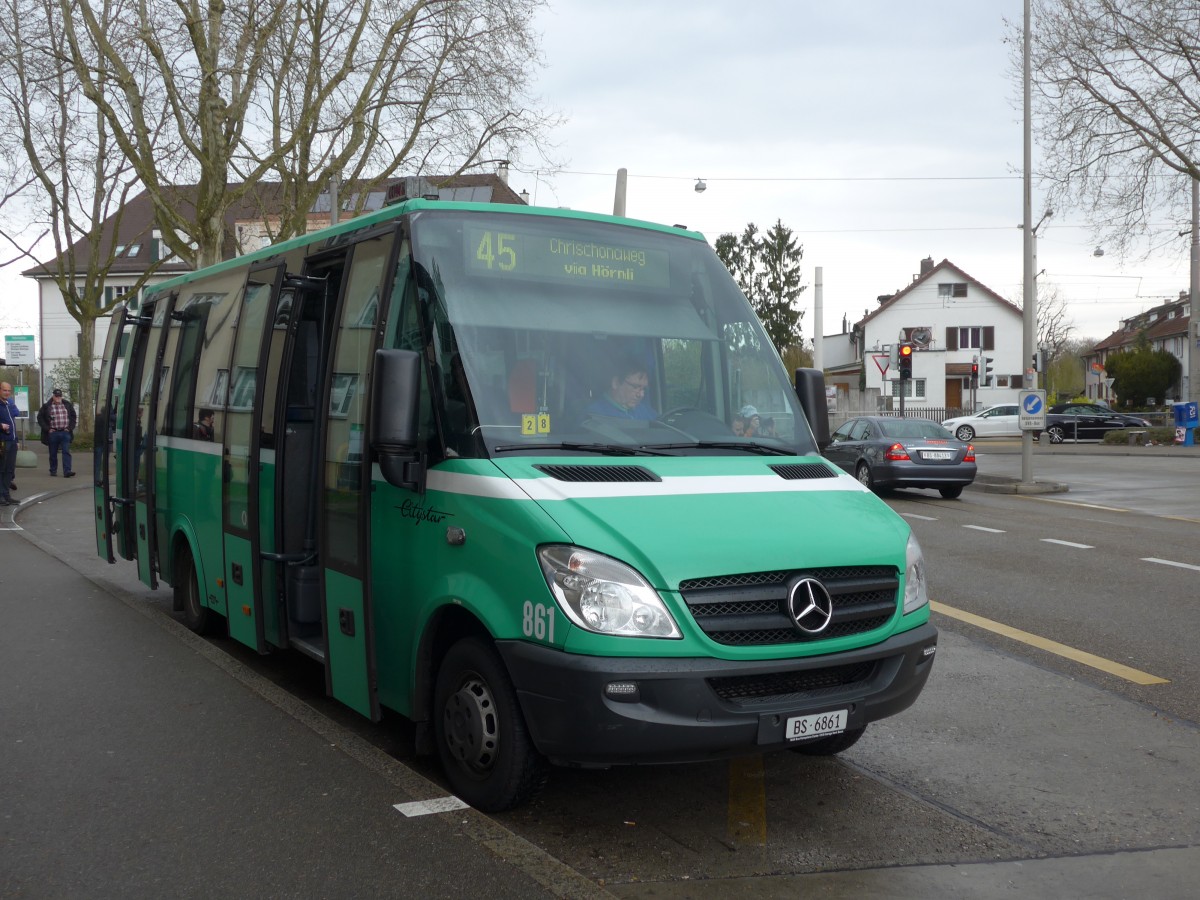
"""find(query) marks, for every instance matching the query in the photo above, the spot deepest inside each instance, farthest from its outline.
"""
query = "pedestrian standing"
(8, 443)
(57, 418)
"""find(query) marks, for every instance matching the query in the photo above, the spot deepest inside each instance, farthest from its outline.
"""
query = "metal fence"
(935, 413)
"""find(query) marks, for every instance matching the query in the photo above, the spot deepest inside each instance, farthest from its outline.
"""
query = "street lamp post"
(1030, 292)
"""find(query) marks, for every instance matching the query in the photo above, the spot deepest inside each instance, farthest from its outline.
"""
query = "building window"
(913, 388)
(970, 338)
(953, 289)
(115, 292)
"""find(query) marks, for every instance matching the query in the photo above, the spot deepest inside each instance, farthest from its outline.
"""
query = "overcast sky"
(880, 133)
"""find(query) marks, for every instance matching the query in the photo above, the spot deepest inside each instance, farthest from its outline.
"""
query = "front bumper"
(695, 709)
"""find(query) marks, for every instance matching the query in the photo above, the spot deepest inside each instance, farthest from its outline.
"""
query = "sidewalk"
(139, 760)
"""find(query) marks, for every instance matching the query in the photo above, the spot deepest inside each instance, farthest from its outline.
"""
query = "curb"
(1007, 484)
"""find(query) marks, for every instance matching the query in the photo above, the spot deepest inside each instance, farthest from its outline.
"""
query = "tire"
(964, 432)
(951, 493)
(1056, 433)
(863, 473)
(482, 742)
(196, 616)
(828, 746)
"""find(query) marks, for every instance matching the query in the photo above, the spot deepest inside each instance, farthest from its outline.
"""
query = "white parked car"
(995, 421)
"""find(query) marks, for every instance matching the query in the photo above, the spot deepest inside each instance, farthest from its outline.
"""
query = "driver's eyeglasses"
(636, 386)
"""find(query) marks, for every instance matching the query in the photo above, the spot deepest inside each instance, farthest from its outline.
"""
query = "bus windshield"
(585, 336)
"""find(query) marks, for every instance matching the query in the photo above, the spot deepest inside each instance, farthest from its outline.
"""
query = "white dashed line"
(1068, 544)
(922, 518)
(989, 530)
(1168, 562)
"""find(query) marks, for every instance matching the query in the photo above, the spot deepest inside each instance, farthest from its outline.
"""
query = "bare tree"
(299, 91)
(1054, 325)
(1117, 107)
(73, 179)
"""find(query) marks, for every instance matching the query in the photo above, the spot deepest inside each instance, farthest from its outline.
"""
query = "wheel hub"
(471, 727)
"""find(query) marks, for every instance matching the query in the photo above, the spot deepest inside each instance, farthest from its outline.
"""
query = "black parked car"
(1086, 422)
(885, 452)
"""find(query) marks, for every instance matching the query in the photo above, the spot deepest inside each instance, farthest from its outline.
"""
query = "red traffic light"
(974, 368)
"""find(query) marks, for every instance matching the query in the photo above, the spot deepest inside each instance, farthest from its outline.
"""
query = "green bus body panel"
(190, 488)
(240, 597)
(347, 652)
(103, 539)
(270, 608)
(668, 537)
(141, 523)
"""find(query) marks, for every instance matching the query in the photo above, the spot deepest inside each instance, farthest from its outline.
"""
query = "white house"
(953, 322)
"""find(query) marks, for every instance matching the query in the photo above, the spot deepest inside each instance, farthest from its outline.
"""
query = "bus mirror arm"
(810, 390)
(395, 403)
(402, 470)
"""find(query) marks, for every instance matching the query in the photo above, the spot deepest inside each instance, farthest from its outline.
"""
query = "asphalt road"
(1018, 770)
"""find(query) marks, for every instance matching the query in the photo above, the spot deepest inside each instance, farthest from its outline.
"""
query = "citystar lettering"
(412, 510)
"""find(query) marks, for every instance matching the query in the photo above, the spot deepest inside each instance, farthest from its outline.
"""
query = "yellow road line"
(1033, 640)
(747, 816)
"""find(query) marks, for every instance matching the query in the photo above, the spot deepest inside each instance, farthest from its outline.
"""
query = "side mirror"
(395, 403)
(810, 389)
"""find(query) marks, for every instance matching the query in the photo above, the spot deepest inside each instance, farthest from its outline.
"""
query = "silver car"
(995, 421)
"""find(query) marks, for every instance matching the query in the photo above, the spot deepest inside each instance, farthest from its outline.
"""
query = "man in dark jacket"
(57, 418)
(9, 412)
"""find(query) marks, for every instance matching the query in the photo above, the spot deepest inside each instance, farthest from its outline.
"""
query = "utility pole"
(1193, 342)
(1030, 290)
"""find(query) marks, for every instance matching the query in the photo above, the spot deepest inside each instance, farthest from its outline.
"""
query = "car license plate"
(937, 454)
(800, 727)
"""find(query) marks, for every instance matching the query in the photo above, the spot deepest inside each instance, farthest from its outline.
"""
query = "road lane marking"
(428, 807)
(746, 822)
(922, 518)
(1168, 562)
(1068, 544)
(1033, 640)
(1079, 504)
(989, 530)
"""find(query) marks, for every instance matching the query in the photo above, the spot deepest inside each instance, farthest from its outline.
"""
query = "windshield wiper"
(748, 446)
(605, 449)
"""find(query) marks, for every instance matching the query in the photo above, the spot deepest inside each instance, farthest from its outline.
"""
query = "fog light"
(623, 691)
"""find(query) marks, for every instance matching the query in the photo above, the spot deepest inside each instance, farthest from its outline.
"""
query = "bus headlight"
(916, 593)
(600, 594)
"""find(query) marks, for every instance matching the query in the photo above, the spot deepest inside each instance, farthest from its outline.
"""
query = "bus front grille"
(752, 609)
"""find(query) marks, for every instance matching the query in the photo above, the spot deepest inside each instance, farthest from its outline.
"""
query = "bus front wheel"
(196, 616)
(484, 746)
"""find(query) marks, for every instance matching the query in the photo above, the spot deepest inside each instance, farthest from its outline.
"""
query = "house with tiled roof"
(1165, 327)
(138, 245)
(953, 322)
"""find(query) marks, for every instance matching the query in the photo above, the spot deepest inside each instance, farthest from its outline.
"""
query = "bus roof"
(395, 211)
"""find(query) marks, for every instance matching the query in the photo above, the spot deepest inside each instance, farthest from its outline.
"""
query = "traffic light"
(974, 374)
(904, 366)
(987, 370)
(1039, 361)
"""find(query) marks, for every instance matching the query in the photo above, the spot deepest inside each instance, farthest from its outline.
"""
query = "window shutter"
(989, 337)
(951, 338)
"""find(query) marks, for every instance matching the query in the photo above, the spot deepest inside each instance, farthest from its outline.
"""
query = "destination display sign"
(539, 255)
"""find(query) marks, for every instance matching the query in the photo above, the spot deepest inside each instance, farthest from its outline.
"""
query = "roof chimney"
(926, 265)
(502, 170)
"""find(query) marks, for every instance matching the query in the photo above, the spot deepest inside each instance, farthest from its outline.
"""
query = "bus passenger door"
(147, 357)
(346, 482)
(243, 515)
(105, 428)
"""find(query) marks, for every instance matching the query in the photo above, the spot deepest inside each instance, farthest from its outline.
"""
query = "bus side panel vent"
(802, 471)
(597, 473)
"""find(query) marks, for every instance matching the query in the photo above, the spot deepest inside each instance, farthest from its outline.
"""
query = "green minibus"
(535, 479)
